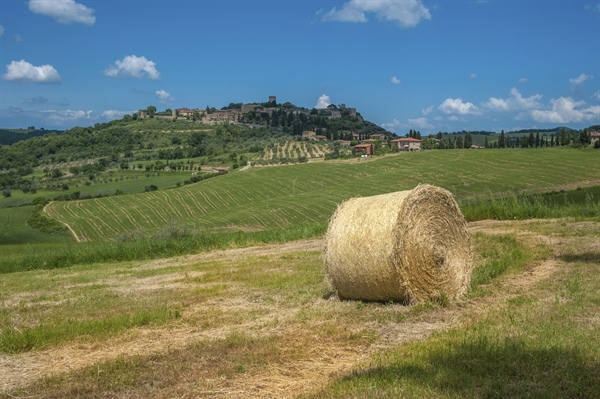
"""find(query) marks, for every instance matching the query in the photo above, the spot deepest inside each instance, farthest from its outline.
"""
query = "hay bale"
(406, 246)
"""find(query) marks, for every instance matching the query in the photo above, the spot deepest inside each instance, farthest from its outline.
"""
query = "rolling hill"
(296, 195)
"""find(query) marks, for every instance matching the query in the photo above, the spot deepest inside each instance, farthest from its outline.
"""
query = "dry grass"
(255, 322)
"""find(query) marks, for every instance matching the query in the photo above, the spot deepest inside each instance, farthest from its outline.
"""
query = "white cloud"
(134, 67)
(18, 38)
(405, 13)
(595, 7)
(164, 96)
(515, 103)
(580, 79)
(473, 76)
(421, 123)
(457, 106)
(567, 110)
(392, 126)
(323, 102)
(112, 114)
(63, 117)
(1, 30)
(427, 111)
(23, 71)
(395, 80)
(64, 11)
(597, 95)
(523, 80)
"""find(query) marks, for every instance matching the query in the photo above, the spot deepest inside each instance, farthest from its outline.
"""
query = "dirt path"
(295, 376)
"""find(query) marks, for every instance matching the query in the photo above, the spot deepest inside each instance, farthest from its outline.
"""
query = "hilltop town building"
(407, 144)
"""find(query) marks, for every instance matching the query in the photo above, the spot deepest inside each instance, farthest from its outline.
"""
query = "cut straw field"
(260, 322)
(297, 195)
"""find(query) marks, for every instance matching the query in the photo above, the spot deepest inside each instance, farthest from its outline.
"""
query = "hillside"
(302, 195)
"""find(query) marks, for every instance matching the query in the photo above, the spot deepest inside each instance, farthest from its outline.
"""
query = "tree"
(584, 138)
(459, 142)
(537, 140)
(502, 140)
(468, 140)
(531, 141)
(151, 110)
(486, 142)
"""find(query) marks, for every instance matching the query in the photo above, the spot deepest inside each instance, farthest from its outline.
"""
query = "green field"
(15, 229)
(297, 195)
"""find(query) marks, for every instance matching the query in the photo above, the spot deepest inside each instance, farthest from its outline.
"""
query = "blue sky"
(431, 66)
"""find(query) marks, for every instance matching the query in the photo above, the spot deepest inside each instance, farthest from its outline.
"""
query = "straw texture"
(406, 246)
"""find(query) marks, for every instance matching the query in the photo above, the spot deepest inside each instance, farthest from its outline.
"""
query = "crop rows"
(295, 195)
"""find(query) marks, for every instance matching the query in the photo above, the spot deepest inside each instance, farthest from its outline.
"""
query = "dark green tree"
(502, 140)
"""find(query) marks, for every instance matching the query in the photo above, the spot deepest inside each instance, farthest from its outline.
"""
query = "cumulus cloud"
(164, 96)
(323, 102)
(395, 80)
(392, 126)
(427, 111)
(453, 106)
(64, 11)
(567, 110)
(580, 79)
(64, 116)
(23, 71)
(134, 67)
(421, 123)
(597, 95)
(112, 114)
(405, 13)
(523, 80)
(515, 103)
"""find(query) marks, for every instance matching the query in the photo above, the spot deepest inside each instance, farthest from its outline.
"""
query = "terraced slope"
(296, 195)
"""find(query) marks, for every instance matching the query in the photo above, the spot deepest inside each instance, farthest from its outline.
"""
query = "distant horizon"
(425, 65)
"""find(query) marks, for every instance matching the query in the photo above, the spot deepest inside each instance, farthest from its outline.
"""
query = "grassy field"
(15, 229)
(127, 181)
(260, 322)
(298, 195)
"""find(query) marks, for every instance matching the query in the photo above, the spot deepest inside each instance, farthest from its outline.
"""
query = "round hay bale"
(406, 246)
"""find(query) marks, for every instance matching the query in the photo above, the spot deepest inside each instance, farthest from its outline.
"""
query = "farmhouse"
(308, 134)
(319, 137)
(595, 136)
(365, 149)
(379, 136)
(407, 144)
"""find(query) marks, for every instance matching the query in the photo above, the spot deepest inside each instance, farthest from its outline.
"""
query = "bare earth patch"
(298, 375)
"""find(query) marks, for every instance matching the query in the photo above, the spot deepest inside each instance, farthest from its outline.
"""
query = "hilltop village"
(270, 113)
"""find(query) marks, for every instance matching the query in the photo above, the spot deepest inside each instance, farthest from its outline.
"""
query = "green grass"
(533, 346)
(500, 254)
(15, 230)
(13, 340)
(131, 182)
(295, 195)
(582, 203)
(258, 319)
(170, 241)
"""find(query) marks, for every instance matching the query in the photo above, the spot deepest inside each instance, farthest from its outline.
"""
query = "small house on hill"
(595, 136)
(220, 170)
(407, 144)
(364, 149)
(307, 134)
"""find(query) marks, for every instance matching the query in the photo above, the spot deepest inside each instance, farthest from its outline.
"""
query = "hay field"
(296, 195)
(259, 322)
